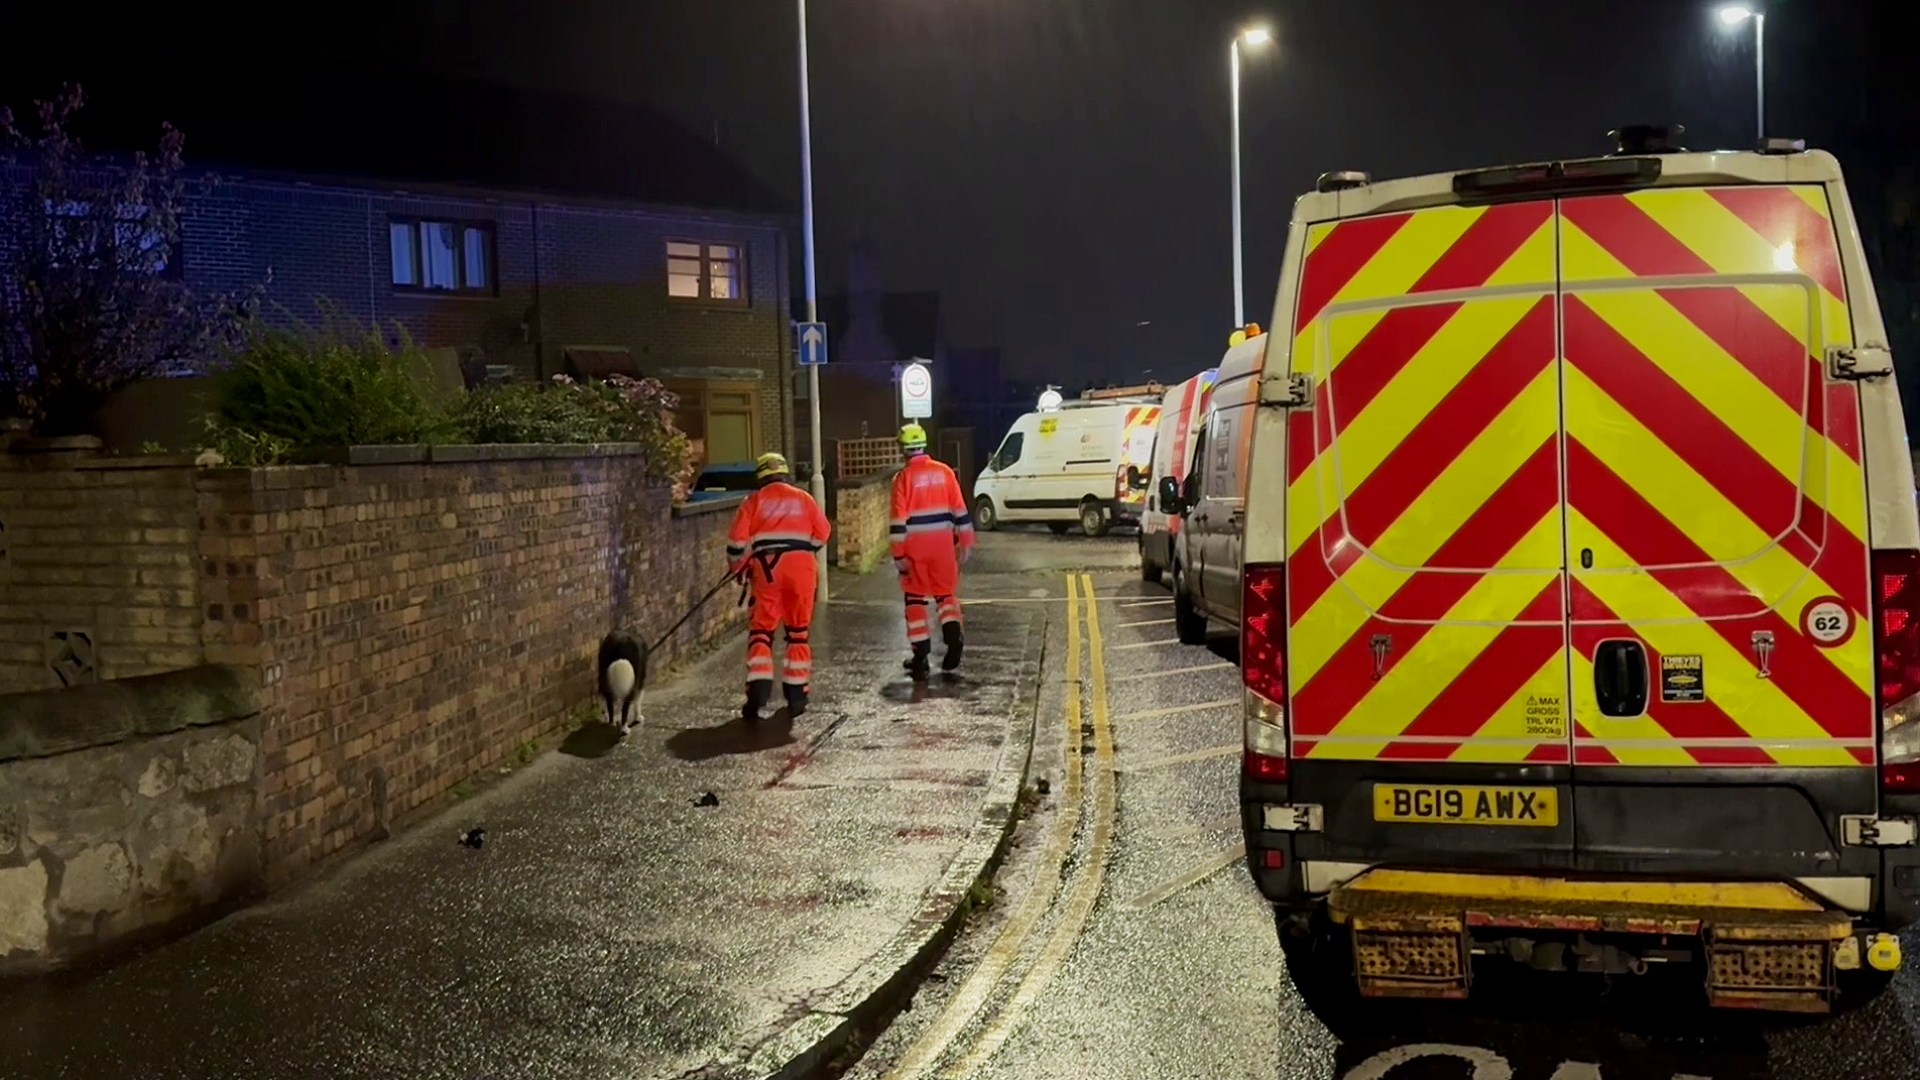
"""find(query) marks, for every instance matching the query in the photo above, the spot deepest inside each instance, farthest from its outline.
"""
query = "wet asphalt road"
(1127, 941)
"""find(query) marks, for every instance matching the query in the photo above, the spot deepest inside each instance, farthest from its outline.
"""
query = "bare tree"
(90, 294)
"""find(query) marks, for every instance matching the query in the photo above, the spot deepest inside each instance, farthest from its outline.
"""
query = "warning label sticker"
(1683, 678)
(1546, 716)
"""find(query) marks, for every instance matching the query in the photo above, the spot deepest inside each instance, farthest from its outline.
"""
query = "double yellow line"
(1007, 950)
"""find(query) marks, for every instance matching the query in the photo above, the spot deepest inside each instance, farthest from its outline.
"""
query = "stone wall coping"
(532, 451)
(136, 461)
(44, 723)
(710, 506)
(411, 454)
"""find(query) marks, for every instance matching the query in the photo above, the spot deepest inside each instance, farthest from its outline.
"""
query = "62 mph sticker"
(1827, 622)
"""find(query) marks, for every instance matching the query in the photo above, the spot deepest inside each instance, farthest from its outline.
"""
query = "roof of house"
(409, 126)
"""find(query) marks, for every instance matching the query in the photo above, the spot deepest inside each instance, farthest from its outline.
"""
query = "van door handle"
(1620, 678)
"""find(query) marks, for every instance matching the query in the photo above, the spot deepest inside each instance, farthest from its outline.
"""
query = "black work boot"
(956, 644)
(917, 665)
(796, 699)
(759, 692)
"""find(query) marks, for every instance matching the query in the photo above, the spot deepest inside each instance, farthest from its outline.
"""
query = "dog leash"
(698, 604)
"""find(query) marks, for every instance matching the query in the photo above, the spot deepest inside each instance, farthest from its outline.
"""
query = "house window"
(124, 238)
(442, 256)
(715, 273)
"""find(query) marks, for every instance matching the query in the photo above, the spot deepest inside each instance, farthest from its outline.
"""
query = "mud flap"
(1418, 956)
(1785, 967)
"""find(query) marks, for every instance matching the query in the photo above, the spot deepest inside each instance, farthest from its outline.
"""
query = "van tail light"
(1263, 669)
(1896, 639)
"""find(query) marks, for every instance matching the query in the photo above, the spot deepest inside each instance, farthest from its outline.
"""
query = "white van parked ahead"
(1070, 465)
(1182, 416)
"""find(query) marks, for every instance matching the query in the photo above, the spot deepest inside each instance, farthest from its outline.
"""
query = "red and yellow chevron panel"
(1714, 487)
(1538, 427)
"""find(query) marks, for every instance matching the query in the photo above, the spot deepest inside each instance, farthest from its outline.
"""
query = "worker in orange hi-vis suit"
(932, 538)
(775, 536)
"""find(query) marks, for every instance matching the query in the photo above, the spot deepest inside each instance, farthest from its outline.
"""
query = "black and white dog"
(623, 679)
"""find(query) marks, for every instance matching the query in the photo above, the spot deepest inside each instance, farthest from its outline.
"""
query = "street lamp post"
(1253, 36)
(1733, 15)
(819, 483)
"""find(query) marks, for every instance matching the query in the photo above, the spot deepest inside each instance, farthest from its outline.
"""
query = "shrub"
(619, 409)
(529, 413)
(290, 395)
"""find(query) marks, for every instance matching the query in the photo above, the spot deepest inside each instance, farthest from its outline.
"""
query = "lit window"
(477, 251)
(712, 272)
(684, 274)
(723, 272)
(442, 256)
(406, 253)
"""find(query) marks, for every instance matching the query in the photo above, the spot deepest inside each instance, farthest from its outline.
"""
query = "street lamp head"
(1735, 14)
(1256, 35)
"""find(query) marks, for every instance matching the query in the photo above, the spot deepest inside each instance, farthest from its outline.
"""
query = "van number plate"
(1463, 805)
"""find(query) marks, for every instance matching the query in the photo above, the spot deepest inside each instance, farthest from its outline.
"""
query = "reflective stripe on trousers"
(919, 628)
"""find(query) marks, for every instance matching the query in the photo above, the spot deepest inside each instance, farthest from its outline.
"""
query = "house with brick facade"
(512, 234)
(525, 285)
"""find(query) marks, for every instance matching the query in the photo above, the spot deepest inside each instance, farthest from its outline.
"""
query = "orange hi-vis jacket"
(774, 520)
(775, 534)
(930, 525)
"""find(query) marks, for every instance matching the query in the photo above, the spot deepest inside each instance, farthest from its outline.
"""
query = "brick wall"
(862, 510)
(97, 576)
(411, 625)
(568, 274)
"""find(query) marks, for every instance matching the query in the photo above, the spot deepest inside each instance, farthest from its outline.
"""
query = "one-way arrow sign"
(813, 343)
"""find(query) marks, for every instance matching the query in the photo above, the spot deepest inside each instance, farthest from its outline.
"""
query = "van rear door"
(1716, 530)
(1427, 652)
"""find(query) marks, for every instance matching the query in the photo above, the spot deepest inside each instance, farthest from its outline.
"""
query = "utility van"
(1184, 407)
(1071, 465)
(1580, 604)
(1209, 501)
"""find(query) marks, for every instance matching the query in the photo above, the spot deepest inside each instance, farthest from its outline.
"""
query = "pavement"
(610, 925)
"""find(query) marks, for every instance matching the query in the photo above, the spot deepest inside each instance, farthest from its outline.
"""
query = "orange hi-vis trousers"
(775, 535)
(930, 526)
(784, 597)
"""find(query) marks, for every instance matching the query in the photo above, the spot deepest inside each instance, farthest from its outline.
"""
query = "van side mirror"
(1134, 479)
(1170, 501)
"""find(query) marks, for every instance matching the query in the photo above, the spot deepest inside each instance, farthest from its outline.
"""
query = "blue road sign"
(813, 343)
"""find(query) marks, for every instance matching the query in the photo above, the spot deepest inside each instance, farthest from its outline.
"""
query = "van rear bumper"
(1668, 825)
(1763, 945)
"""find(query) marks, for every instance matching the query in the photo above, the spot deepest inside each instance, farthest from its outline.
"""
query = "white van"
(1579, 598)
(1182, 413)
(1204, 552)
(1069, 466)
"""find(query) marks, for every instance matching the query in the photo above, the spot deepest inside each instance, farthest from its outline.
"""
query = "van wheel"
(1319, 959)
(1093, 518)
(1189, 625)
(984, 517)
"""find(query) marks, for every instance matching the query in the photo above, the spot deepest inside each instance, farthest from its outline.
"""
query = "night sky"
(1058, 169)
